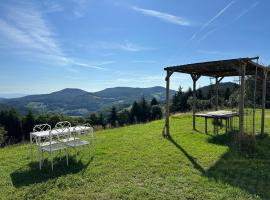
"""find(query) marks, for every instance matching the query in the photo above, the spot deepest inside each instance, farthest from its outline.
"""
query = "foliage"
(156, 112)
(154, 102)
(3, 135)
(124, 117)
(145, 110)
(135, 112)
(113, 117)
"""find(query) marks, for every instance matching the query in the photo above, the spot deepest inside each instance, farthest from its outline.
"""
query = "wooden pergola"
(241, 67)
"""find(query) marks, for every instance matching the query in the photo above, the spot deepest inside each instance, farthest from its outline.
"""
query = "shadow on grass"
(33, 175)
(248, 171)
(189, 157)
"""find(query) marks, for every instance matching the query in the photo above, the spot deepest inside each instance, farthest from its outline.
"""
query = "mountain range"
(77, 102)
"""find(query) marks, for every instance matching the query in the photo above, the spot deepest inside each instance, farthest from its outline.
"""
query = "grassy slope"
(136, 162)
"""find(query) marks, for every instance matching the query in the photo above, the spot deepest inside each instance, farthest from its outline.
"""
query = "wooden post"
(194, 77)
(217, 88)
(242, 98)
(216, 97)
(167, 120)
(263, 100)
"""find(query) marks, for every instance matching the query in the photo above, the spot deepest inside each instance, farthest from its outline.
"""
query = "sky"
(49, 45)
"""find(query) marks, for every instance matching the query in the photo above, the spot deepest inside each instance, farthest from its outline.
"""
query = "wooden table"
(216, 115)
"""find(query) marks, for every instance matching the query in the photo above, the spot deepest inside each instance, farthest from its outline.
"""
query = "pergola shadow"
(189, 157)
(250, 172)
(26, 177)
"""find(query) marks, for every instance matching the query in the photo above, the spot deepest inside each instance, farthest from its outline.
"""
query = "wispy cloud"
(79, 8)
(125, 46)
(52, 6)
(143, 61)
(166, 17)
(24, 28)
(221, 12)
(95, 65)
(244, 12)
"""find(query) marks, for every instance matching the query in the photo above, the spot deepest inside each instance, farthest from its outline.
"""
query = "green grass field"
(136, 162)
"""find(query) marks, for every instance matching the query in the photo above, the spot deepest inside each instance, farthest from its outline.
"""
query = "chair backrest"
(62, 129)
(42, 127)
(84, 129)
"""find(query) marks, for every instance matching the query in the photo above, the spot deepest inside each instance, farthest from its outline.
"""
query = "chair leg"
(66, 156)
(51, 160)
(39, 158)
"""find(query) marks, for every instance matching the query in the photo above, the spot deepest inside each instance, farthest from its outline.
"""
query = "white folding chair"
(44, 141)
(55, 136)
(78, 142)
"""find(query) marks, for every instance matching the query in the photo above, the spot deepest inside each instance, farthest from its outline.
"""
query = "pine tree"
(28, 124)
(145, 110)
(154, 102)
(113, 117)
(135, 112)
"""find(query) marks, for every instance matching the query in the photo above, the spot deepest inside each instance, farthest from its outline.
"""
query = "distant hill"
(78, 102)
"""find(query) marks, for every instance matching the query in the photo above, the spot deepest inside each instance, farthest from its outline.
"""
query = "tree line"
(182, 100)
(138, 112)
(15, 128)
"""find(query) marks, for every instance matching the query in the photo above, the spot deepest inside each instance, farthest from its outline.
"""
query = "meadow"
(136, 162)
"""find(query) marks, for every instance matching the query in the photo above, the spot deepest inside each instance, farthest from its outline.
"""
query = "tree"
(124, 117)
(154, 102)
(101, 121)
(3, 135)
(200, 94)
(145, 110)
(113, 117)
(156, 112)
(135, 112)
(10, 119)
(93, 119)
(28, 124)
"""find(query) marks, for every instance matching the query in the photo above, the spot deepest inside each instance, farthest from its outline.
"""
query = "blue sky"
(48, 45)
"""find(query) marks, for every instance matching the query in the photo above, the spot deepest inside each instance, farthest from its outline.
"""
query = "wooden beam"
(194, 77)
(263, 101)
(166, 132)
(242, 98)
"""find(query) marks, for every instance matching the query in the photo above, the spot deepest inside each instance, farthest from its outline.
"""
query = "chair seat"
(69, 139)
(77, 143)
(47, 143)
(53, 147)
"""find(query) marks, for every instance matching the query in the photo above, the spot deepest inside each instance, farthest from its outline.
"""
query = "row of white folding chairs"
(61, 137)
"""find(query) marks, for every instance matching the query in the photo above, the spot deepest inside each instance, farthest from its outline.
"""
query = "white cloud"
(125, 46)
(166, 17)
(25, 29)
(222, 11)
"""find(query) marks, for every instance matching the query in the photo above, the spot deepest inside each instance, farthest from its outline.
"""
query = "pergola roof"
(220, 68)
